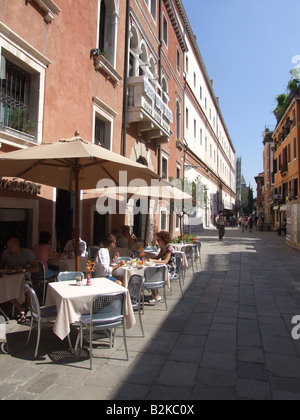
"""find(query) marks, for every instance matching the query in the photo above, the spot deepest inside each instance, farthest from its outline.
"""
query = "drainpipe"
(125, 92)
(159, 72)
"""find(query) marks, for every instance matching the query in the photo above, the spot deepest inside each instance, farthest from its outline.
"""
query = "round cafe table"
(126, 272)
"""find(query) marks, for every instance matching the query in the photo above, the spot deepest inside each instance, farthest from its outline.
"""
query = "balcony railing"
(147, 108)
(14, 118)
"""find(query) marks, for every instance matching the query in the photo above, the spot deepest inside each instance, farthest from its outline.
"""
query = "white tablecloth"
(72, 301)
(70, 264)
(180, 247)
(12, 287)
(127, 272)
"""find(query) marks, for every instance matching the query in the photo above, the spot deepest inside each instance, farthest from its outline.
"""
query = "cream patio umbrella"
(73, 165)
(158, 190)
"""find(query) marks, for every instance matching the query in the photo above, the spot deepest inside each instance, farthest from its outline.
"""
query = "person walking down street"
(243, 222)
(250, 223)
(221, 226)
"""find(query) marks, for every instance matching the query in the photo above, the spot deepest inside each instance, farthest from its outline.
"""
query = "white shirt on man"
(70, 247)
(102, 260)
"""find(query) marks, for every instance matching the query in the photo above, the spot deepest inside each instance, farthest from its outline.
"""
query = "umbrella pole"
(147, 223)
(77, 206)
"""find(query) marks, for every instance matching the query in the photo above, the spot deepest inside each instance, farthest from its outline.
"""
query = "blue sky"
(247, 47)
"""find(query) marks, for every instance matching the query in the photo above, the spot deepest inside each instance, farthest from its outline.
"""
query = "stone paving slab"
(229, 338)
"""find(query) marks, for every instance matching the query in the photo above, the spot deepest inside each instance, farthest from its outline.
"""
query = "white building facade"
(210, 155)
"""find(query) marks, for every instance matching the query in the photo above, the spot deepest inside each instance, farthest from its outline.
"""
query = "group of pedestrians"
(245, 223)
(248, 222)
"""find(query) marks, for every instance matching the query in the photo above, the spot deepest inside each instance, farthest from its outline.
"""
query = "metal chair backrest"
(179, 261)
(41, 274)
(108, 309)
(34, 303)
(128, 259)
(189, 251)
(69, 275)
(135, 287)
(92, 251)
(155, 274)
(150, 249)
(198, 245)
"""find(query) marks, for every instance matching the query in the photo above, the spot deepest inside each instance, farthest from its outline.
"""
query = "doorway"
(64, 218)
(100, 228)
(14, 223)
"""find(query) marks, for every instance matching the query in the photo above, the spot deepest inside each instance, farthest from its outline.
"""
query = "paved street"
(229, 338)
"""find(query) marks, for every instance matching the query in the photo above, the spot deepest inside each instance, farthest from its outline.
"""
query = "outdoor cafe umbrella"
(158, 190)
(73, 165)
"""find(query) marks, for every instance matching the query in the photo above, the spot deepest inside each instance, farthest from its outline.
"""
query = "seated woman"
(103, 262)
(44, 253)
(166, 256)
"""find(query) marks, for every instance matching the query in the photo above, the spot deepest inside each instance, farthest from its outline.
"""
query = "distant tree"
(250, 200)
(248, 207)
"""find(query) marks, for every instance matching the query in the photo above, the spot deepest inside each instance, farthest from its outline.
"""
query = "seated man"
(70, 246)
(20, 260)
(103, 263)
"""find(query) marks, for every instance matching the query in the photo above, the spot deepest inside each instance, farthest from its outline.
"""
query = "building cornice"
(176, 25)
(49, 7)
(19, 42)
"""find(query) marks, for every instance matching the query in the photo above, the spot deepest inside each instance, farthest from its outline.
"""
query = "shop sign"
(19, 186)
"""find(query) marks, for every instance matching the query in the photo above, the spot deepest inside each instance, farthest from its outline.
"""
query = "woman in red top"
(44, 253)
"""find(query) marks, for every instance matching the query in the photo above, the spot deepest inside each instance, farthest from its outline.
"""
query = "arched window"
(107, 31)
(144, 59)
(164, 86)
(134, 52)
(142, 161)
(153, 68)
